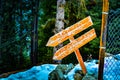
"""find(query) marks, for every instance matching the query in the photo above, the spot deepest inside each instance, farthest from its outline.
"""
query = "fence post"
(103, 38)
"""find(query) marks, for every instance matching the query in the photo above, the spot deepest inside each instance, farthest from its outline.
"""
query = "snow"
(92, 69)
(42, 72)
(35, 73)
(111, 70)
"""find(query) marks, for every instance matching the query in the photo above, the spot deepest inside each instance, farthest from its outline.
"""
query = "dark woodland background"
(26, 26)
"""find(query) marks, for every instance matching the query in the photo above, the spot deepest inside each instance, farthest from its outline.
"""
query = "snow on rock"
(72, 72)
(92, 69)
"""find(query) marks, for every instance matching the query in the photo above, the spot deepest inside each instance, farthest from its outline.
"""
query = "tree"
(34, 37)
(59, 25)
(47, 12)
(1, 26)
(15, 28)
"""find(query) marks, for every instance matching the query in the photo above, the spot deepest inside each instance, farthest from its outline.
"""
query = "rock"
(60, 71)
(78, 75)
(88, 77)
(69, 67)
(56, 75)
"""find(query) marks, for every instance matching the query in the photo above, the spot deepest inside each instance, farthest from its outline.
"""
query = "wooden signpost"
(74, 44)
(69, 32)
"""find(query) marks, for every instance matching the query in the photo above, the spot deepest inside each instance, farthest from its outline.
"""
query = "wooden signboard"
(69, 32)
(74, 44)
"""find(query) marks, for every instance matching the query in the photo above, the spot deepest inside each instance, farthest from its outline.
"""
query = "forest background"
(26, 26)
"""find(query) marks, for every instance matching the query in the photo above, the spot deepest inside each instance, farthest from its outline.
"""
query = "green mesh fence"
(112, 61)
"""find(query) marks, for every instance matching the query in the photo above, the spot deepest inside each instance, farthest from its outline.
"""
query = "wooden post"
(79, 58)
(103, 38)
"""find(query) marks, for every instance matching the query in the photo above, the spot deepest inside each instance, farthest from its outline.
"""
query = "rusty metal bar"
(103, 38)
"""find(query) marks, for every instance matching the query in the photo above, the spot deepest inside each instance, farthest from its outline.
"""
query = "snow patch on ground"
(35, 73)
(92, 69)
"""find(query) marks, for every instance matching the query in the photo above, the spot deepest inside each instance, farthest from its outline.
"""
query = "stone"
(88, 77)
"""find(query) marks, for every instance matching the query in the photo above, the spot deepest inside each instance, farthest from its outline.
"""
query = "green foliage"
(92, 48)
(114, 4)
(15, 28)
(45, 32)
(75, 10)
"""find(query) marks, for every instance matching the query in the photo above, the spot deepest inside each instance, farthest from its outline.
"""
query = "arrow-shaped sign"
(69, 32)
(74, 45)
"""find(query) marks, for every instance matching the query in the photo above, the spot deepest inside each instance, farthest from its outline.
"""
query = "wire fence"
(112, 61)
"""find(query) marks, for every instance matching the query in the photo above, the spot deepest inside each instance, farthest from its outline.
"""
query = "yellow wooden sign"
(74, 45)
(69, 32)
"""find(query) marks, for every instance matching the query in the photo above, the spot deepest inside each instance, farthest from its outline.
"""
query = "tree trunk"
(21, 29)
(0, 26)
(34, 38)
(0, 44)
(59, 25)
